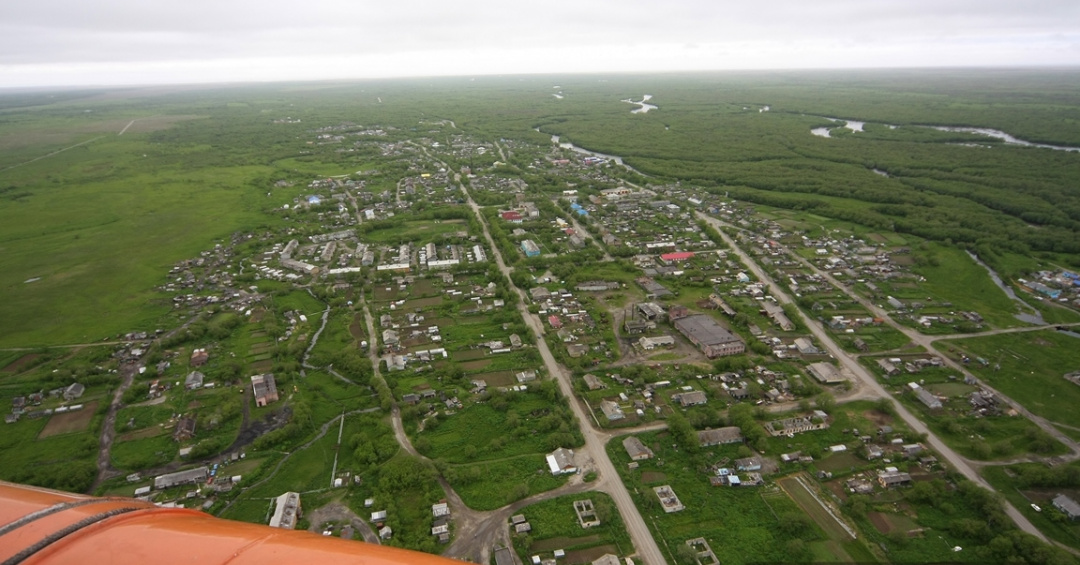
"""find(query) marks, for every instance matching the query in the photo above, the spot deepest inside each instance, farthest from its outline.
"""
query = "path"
(58, 151)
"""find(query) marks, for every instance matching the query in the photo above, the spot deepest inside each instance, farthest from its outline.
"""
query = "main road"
(851, 364)
(647, 549)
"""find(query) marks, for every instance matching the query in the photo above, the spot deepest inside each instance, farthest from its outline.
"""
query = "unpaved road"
(851, 364)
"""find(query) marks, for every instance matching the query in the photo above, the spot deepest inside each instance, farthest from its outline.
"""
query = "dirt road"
(851, 364)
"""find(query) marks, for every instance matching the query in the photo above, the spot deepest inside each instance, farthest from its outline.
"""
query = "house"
(440, 509)
(748, 464)
(561, 462)
(729, 434)
(185, 429)
(925, 396)
(199, 357)
(513, 216)
(287, 511)
(75, 390)
(650, 343)
(635, 449)
(713, 339)
(1067, 506)
(887, 366)
(194, 380)
(264, 388)
(694, 398)
(777, 314)
(611, 410)
(890, 478)
(593, 382)
(607, 559)
(525, 376)
(805, 346)
(530, 248)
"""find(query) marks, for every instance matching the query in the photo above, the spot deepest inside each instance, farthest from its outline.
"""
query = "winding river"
(988, 132)
(1035, 317)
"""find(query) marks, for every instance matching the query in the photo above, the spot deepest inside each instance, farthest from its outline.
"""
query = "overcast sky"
(83, 42)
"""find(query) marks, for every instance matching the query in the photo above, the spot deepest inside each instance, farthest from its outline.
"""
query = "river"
(1034, 318)
(643, 105)
(988, 132)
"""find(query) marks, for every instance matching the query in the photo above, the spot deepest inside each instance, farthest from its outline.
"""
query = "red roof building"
(555, 322)
(681, 256)
(512, 216)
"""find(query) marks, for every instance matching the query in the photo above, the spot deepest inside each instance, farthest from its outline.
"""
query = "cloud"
(131, 38)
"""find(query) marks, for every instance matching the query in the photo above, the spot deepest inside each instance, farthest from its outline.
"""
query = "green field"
(1032, 369)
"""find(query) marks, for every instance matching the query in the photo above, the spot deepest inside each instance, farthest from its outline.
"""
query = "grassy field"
(555, 526)
(1032, 367)
(481, 432)
(493, 484)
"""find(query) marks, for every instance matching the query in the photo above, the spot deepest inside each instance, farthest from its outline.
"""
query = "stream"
(1034, 318)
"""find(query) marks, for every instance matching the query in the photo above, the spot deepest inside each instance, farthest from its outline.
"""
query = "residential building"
(561, 462)
(650, 343)
(73, 391)
(593, 382)
(611, 410)
(693, 398)
(530, 248)
(265, 389)
(287, 511)
(636, 450)
(729, 434)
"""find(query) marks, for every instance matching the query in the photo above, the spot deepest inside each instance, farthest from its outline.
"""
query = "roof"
(730, 434)
(1067, 505)
(705, 330)
(635, 449)
(681, 256)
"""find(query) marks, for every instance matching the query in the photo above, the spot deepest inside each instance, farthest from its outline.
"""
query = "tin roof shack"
(287, 511)
(265, 389)
(635, 449)
(713, 339)
(729, 434)
(891, 477)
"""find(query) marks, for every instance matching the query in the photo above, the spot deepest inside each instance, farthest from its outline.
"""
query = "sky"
(134, 42)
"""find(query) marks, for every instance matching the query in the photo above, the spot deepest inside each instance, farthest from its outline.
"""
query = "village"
(392, 361)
